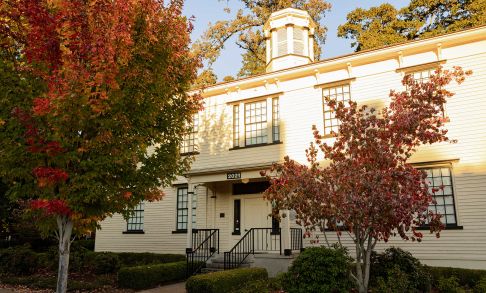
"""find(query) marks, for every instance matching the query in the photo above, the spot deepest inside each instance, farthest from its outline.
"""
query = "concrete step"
(210, 270)
(219, 258)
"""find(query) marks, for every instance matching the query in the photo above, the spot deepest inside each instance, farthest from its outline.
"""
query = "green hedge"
(131, 259)
(224, 281)
(20, 260)
(465, 277)
(149, 276)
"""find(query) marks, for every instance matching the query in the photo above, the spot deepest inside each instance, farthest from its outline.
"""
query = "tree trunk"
(65, 229)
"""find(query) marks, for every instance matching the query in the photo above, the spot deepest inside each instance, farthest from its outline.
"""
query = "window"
(256, 123)
(423, 75)
(275, 120)
(182, 215)
(438, 177)
(236, 126)
(135, 221)
(339, 93)
(298, 41)
(282, 41)
(189, 144)
(237, 217)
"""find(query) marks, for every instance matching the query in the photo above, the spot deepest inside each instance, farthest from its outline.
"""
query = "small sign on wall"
(233, 175)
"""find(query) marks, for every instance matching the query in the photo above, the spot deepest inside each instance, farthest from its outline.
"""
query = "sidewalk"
(173, 288)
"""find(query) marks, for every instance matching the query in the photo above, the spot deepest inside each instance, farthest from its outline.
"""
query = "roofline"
(450, 37)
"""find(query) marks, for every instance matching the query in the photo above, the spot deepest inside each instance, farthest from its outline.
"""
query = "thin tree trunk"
(65, 229)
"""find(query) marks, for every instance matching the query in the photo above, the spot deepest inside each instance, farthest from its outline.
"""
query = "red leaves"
(51, 207)
(47, 176)
(41, 106)
(368, 184)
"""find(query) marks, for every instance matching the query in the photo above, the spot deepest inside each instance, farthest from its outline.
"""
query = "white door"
(256, 213)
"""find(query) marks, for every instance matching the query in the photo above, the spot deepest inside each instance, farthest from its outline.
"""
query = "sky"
(210, 11)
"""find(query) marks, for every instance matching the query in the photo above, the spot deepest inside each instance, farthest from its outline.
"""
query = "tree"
(93, 108)
(365, 187)
(205, 78)
(247, 27)
(385, 25)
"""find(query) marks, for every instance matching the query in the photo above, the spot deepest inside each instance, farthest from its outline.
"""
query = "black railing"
(254, 240)
(205, 243)
(296, 239)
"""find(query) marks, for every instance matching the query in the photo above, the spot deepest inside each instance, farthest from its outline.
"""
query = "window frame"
(264, 129)
(424, 167)
(190, 140)
(137, 214)
(194, 209)
(276, 133)
(329, 86)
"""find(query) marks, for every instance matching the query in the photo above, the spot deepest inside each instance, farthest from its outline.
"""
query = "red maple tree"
(363, 185)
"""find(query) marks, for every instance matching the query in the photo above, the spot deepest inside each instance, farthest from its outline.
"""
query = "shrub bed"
(149, 276)
(20, 260)
(130, 259)
(224, 281)
(464, 277)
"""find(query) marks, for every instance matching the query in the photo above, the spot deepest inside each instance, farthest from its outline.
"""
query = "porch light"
(245, 180)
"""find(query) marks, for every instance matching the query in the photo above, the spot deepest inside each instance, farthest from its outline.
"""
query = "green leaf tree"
(93, 107)
(247, 28)
(385, 25)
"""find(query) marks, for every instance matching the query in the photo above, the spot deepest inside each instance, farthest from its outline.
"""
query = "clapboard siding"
(300, 108)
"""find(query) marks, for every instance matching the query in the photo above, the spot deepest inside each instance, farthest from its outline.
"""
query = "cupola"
(289, 37)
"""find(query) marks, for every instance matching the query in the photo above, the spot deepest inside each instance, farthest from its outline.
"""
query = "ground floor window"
(441, 178)
(135, 221)
(182, 208)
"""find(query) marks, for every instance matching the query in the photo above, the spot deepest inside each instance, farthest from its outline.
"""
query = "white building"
(249, 123)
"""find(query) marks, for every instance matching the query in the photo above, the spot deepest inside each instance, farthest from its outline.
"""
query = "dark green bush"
(87, 244)
(449, 285)
(319, 269)
(480, 286)
(131, 259)
(20, 260)
(465, 277)
(261, 286)
(396, 282)
(384, 267)
(102, 262)
(224, 281)
(149, 276)
(48, 282)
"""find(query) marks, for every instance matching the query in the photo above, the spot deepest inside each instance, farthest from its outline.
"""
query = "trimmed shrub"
(130, 259)
(261, 286)
(79, 244)
(20, 260)
(395, 262)
(224, 281)
(319, 269)
(465, 277)
(149, 276)
(102, 262)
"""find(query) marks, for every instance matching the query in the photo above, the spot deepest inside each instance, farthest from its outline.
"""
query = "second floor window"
(340, 93)
(190, 142)
(135, 221)
(256, 123)
(236, 126)
(275, 120)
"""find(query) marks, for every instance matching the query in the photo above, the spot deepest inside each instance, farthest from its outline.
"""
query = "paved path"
(174, 288)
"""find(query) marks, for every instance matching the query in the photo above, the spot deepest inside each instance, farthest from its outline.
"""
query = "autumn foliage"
(363, 185)
(93, 106)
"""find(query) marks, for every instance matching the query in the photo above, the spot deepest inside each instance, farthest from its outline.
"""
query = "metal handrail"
(255, 239)
(206, 247)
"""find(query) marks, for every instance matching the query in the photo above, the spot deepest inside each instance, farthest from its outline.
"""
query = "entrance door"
(256, 213)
